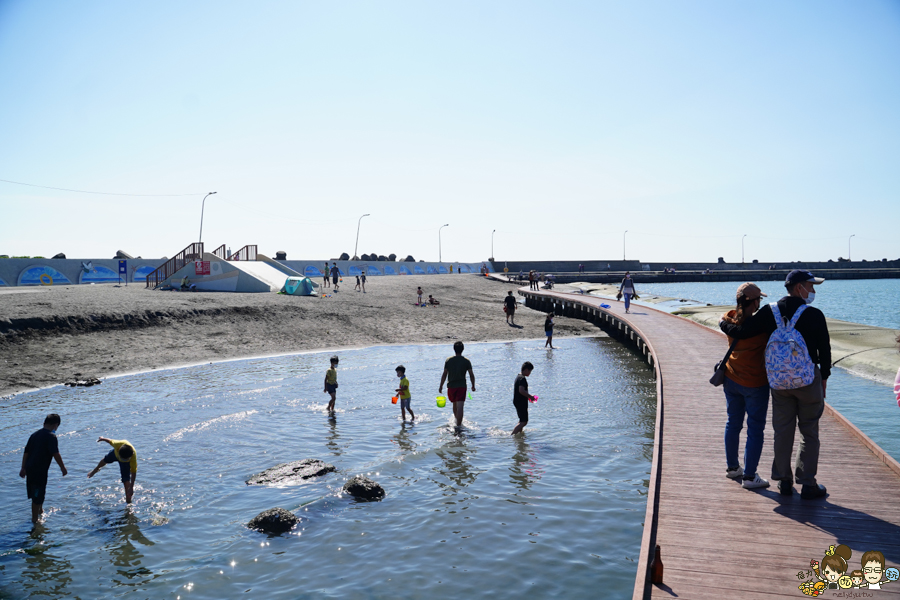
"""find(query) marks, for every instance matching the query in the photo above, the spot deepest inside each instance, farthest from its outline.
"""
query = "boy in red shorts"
(455, 369)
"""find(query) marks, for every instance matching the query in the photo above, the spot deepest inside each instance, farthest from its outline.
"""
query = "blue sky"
(559, 125)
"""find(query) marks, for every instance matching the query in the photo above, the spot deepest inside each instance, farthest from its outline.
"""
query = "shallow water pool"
(556, 511)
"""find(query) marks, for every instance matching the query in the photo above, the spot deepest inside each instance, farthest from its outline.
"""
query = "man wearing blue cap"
(797, 376)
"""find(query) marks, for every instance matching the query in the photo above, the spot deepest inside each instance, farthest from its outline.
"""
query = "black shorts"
(334, 279)
(124, 467)
(36, 488)
(521, 410)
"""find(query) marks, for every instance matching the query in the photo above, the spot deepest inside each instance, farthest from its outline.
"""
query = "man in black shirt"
(41, 448)
(509, 303)
(799, 408)
(521, 396)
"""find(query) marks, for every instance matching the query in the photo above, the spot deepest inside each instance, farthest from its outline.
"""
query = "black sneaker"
(808, 492)
(786, 487)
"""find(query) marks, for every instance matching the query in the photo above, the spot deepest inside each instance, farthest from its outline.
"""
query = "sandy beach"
(49, 334)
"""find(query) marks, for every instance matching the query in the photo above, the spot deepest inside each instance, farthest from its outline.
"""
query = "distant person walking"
(357, 283)
(797, 368)
(746, 392)
(325, 275)
(364, 281)
(335, 275)
(532, 280)
(41, 449)
(627, 290)
(521, 397)
(331, 383)
(548, 330)
(403, 392)
(509, 304)
(455, 369)
(580, 268)
(124, 454)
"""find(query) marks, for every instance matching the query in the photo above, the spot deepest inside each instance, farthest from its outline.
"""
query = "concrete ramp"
(263, 272)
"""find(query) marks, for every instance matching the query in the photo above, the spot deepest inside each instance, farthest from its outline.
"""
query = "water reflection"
(332, 437)
(126, 556)
(402, 439)
(44, 573)
(456, 464)
(525, 469)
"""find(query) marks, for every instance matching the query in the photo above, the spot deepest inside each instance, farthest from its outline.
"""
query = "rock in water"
(274, 520)
(363, 488)
(292, 472)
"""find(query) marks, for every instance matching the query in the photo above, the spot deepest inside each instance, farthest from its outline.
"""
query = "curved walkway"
(717, 539)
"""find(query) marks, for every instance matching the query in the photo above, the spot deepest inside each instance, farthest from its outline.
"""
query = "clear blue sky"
(559, 124)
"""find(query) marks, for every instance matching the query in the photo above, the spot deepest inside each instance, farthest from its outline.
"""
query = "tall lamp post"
(439, 240)
(356, 246)
(492, 244)
(848, 245)
(742, 248)
(202, 208)
(623, 245)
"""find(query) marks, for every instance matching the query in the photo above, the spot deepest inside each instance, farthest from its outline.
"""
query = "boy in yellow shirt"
(403, 392)
(331, 383)
(123, 453)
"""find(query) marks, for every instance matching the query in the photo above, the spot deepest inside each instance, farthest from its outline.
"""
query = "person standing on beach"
(627, 290)
(124, 454)
(335, 275)
(521, 397)
(746, 392)
(548, 330)
(357, 283)
(363, 279)
(41, 449)
(509, 303)
(798, 399)
(419, 295)
(455, 369)
(325, 275)
(331, 384)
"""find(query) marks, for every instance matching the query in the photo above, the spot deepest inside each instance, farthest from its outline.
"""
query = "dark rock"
(60, 255)
(363, 488)
(274, 520)
(79, 381)
(382, 258)
(123, 255)
(409, 258)
(292, 472)
(281, 255)
(345, 256)
(392, 257)
(365, 257)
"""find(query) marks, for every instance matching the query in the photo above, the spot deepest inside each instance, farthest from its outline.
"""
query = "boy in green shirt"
(403, 392)
(124, 454)
(331, 383)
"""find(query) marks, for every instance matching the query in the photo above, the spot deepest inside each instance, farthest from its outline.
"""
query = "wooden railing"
(189, 254)
(245, 253)
(220, 252)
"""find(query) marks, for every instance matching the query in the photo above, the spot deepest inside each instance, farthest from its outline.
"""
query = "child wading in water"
(521, 396)
(42, 447)
(124, 454)
(331, 383)
(403, 392)
(548, 330)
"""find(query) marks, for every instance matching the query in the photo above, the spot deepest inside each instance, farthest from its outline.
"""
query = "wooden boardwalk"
(718, 540)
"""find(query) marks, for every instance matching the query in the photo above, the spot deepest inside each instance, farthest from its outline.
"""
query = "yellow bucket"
(441, 401)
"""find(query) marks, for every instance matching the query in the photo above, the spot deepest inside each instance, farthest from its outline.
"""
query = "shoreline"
(50, 334)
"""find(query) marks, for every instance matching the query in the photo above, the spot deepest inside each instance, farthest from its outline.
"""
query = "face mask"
(811, 297)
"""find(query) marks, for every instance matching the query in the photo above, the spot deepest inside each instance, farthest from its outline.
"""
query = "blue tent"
(299, 286)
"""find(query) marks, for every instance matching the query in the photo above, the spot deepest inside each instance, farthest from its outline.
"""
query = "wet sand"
(49, 334)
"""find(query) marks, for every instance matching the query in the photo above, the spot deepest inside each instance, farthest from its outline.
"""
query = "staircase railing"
(246, 253)
(220, 252)
(170, 267)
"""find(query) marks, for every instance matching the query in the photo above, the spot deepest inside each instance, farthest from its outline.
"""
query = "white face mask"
(811, 297)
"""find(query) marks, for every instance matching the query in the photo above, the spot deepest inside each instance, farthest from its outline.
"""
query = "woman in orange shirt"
(746, 393)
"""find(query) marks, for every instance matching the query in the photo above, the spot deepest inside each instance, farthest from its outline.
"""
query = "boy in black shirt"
(521, 396)
(42, 446)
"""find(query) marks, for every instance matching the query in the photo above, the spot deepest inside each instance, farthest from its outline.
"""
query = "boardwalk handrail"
(170, 267)
(220, 252)
(248, 252)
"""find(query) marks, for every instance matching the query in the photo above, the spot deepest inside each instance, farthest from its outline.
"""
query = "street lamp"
(439, 240)
(492, 244)
(848, 245)
(202, 208)
(623, 245)
(355, 255)
(742, 248)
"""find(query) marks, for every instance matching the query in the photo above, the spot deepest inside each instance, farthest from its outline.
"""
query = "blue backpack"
(788, 365)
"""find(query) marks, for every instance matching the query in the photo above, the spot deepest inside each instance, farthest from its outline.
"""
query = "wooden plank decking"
(717, 539)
